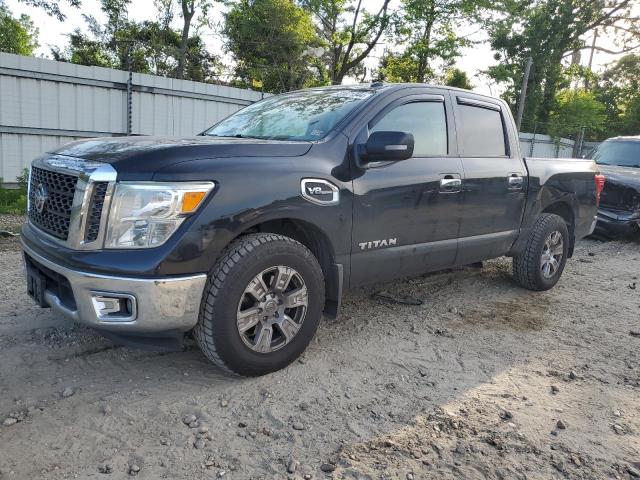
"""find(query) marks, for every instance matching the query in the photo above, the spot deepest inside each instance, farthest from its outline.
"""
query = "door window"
(482, 132)
(425, 120)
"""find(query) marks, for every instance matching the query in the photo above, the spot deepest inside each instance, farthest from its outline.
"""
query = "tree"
(619, 90)
(427, 31)
(549, 31)
(454, 77)
(349, 32)
(188, 8)
(83, 51)
(397, 67)
(271, 41)
(52, 7)
(574, 110)
(146, 47)
(17, 35)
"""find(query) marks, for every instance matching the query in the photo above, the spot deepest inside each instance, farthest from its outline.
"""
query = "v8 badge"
(319, 191)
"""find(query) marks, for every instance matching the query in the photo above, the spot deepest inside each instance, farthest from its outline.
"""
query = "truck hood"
(625, 176)
(139, 157)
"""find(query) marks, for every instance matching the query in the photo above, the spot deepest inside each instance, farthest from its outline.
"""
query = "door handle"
(516, 181)
(450, 184)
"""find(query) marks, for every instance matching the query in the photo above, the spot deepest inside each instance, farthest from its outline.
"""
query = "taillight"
(599, 179)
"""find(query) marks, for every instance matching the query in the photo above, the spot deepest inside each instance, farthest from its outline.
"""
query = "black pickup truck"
(247, 233)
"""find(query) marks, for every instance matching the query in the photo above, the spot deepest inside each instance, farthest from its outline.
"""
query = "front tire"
(539, 266)
(262, 305)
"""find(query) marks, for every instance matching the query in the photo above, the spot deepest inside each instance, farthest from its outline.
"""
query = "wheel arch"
(562, 207)
(320, 245)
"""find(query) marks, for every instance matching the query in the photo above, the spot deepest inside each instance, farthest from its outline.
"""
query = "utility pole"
(523, 92)
(593, 49)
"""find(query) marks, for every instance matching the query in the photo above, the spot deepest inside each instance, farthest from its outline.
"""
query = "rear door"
(407, 213)
(495, 177)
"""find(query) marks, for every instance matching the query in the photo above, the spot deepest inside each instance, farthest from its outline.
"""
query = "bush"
(14, 200)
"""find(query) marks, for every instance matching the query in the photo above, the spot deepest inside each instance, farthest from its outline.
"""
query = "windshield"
(306, 115)
(618, 152)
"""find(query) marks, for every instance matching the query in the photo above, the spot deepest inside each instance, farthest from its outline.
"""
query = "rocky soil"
(9, 230)
(483, 380)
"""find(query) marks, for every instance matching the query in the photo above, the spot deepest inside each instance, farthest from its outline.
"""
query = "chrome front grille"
(69, 200)
(50, 201)
(95, 211)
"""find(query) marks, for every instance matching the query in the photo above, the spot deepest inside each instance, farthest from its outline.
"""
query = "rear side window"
(482, 132)
(425, 120)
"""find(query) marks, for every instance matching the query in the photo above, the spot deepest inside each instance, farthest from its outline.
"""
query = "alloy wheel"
(552, 252)
(272, 309)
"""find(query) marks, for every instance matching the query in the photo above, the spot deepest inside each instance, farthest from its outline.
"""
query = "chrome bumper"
(157, 305)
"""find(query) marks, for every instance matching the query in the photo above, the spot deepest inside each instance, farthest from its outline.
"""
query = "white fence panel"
(44, 104)
(545, 146)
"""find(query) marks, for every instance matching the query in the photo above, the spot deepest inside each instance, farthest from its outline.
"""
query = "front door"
(406, 214)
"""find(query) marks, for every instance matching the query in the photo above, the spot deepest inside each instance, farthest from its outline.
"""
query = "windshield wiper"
(238, 135)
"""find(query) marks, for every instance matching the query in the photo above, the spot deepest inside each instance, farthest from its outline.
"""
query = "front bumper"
(614, 223)
(155, 305)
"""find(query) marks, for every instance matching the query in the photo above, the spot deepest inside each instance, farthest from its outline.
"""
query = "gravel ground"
(484, 380)
(9, 228)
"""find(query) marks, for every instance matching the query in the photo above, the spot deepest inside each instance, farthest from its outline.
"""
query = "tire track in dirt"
(373, 384)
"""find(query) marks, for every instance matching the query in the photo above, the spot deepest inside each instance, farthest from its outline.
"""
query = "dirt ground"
(484, 380)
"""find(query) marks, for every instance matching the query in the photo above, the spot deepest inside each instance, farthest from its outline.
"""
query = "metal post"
(533, 139)
(523, 92)
(129, 92)
(593, 49)
(581, 142)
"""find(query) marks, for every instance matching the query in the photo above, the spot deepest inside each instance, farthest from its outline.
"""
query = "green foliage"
(426, 29)
(349, 33)
(17, 35)
(149, 46)
(548, 31)
(398, 67)
(14, 200)
(457, 78)
(619, 90)
(271, 42)
(630, 119)
(51, 7)
(23, 180)
(576, 109)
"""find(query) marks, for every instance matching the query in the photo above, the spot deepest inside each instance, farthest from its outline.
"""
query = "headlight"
(145, 215)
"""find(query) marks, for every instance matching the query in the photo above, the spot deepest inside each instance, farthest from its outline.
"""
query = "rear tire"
(251, 323)
(539, 266)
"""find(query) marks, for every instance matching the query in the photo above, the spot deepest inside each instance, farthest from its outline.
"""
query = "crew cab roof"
(388, 87)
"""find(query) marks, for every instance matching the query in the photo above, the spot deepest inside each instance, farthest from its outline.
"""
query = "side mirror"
(387, 147)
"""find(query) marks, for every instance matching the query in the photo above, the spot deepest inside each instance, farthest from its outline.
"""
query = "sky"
(473, 59)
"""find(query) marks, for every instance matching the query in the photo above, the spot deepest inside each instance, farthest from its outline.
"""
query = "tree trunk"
(423, 60)
(343, 61)
(188, 10)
